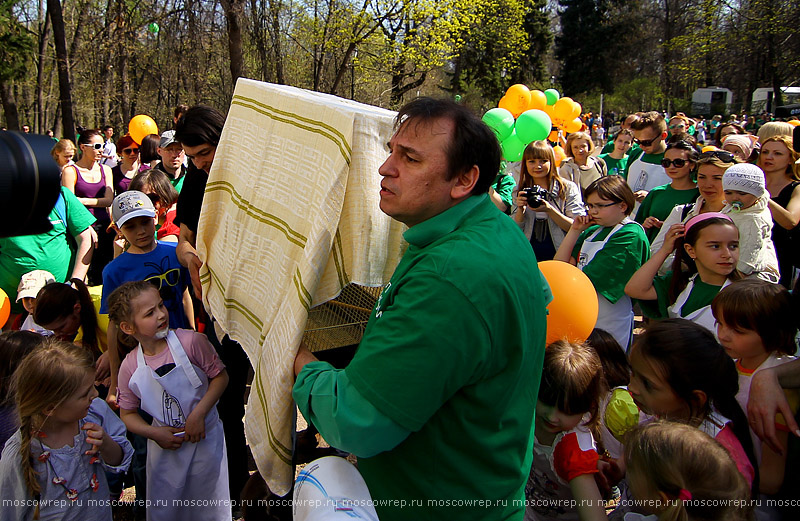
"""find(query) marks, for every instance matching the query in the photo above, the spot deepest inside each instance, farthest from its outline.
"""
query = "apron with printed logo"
(191, 482)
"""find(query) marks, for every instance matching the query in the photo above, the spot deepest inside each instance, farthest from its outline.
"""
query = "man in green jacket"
(438, 402)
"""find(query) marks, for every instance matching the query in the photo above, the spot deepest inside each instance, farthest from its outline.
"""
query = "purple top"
(121, 183)
(84, 188)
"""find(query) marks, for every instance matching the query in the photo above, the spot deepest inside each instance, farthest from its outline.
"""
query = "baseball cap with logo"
(167, 138)
(130, 204)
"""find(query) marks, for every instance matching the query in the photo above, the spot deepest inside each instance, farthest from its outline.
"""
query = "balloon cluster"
(523, 116)
(141, 126)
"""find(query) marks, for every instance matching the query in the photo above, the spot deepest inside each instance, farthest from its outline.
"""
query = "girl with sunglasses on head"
(91, 183)
(778, 160)
(128, 167)
(679, 164)
(608, 247)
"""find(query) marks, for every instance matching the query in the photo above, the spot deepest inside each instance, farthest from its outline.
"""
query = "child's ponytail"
(56, 301)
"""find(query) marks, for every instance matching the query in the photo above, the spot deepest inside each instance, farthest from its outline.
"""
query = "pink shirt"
(198, 349)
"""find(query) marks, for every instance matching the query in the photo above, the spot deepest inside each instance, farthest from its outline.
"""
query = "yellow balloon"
(563, 109)
(572, 313)
(709, 148)
(573, 125)
(519, 97)
(141, 126)
(576, 110)
(5, 307)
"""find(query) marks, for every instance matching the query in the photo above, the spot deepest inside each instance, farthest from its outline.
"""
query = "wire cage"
(340, 322)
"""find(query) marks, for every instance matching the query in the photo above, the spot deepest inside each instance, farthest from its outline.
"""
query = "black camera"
(535, 195)
(30, 182)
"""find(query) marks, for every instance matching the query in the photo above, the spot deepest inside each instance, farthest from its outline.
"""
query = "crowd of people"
(111, 371)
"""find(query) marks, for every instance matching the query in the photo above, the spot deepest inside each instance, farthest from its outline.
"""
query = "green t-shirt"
(660, 202)
(614, 265)
(504, 186)
(615, 166)
(453, 352)
(49, 251)
(701, 296)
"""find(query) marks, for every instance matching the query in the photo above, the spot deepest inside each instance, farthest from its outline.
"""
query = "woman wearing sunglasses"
(91, 183)
(679, 163)
(129, 166)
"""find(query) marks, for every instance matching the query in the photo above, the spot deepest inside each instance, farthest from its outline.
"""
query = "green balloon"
(500, 121)
(512, 148)
(552, 96)
(153, 28)
(533, 125)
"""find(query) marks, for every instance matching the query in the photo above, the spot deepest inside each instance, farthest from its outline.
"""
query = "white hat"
(32, 282)
(744, 177)
(130, 204)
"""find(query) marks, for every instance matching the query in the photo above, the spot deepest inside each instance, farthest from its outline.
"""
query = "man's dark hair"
(199, 126)
(180, 110)
(472, 143)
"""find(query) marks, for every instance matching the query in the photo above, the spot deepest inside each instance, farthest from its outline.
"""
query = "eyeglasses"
(679, 163)
(646, 142)
(130, 150)
(589, 207)
(96, 146)
(722, 155)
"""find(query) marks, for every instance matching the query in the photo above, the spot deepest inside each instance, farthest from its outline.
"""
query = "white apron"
(617, 319)
(645, 176)
(197, 473)
(702, 316)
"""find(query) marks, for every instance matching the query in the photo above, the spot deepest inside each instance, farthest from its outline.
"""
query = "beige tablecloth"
(290, 216)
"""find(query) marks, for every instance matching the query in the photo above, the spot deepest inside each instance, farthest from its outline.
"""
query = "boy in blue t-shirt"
(146, 259)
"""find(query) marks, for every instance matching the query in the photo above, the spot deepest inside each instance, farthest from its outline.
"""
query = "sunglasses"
(677, 126)
(722, 155)
(96, 146)
(679, 163)
(646, 142)
(130, 150)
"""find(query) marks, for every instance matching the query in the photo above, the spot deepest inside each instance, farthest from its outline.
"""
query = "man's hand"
(304, 356)
(765, 401)
(194, 264)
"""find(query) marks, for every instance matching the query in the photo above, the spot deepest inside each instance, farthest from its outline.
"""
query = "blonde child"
(608, 247)
(757, 327)
(580, 166)
(53, 466)
(546, 218)
(565, 456)
(680, 373)
(681, 474)
(747, 203)
(177, 378)
(708, 245)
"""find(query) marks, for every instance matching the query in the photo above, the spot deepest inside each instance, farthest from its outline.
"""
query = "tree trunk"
(9, 105)
(277, 53)
(43, 37)
(233, 10)
(65, 88)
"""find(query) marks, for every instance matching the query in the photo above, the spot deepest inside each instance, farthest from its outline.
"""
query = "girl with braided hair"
(53, 466)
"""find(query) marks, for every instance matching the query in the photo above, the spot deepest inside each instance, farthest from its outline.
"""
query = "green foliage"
(16, 44)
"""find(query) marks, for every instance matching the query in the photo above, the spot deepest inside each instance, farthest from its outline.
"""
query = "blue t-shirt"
(160, 266)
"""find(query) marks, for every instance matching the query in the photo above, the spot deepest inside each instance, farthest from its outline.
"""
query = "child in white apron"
(708, 244)
(608, 247)
(177, 378)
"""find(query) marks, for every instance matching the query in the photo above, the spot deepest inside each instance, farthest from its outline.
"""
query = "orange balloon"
(538, 100)
(573, 125)
(141, 126)
(573, 312)
(563, 109)
(519, 97)
(576, 110)
(793, 122)
(5, 307)
(709, 148)
(558, 151)
(553, 137)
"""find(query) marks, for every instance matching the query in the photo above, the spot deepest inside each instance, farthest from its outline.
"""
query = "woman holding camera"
(545, 204)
